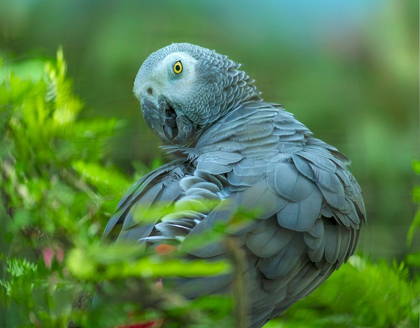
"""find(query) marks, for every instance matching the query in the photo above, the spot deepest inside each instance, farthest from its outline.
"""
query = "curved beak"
(162, 118)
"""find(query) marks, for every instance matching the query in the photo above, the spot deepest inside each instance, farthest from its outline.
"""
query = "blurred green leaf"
(416, 166)
(356, 295)
(413, 259)
(93, 264)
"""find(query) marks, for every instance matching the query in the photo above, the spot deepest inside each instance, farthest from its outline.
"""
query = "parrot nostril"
(150, 91)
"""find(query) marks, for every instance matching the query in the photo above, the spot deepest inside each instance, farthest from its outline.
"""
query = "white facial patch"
(165, 71)
(164, 81)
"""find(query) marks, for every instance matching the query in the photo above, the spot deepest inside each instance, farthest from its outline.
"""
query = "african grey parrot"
(231, 146)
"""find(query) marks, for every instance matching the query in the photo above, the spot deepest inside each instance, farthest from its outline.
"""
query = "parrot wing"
(306, 207)
(160, 186)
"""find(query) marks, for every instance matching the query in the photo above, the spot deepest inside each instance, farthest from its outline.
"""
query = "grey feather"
(144, 204)
(211, 187)
(292, 185)
(313, 242)
(301, 216)
(282, 262)
(317, 254)
(265, 225)
(219, 214)
(261, 199)
(332, 242)
(219, 157)
(126, 202)
(317, 229)
(213, 168)
(194, 288)
(303, 166)
(270, 242)
(304, 278)
(189, 181)
(282, 282)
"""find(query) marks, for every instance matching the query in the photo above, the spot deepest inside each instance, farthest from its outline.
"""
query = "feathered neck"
(255, 128)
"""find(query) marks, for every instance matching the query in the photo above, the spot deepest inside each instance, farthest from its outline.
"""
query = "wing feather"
(307, 206)
(159, 185)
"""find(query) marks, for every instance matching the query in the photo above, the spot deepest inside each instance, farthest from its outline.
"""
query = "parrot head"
(183, 88)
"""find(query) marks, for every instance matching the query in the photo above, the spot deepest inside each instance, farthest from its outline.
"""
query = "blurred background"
(346, 69)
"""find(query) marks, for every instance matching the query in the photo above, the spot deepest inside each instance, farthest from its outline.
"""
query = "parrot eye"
(177, 67)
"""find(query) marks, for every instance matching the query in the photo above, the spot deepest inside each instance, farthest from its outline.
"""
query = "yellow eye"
(178, 67)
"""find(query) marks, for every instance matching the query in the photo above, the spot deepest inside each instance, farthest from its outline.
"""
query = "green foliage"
(105, 263)
(57, 192)
(48, 201)
(415, 225)
(361, 294)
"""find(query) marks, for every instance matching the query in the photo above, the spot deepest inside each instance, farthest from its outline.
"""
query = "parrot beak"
(153, 117)
(164, 121)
